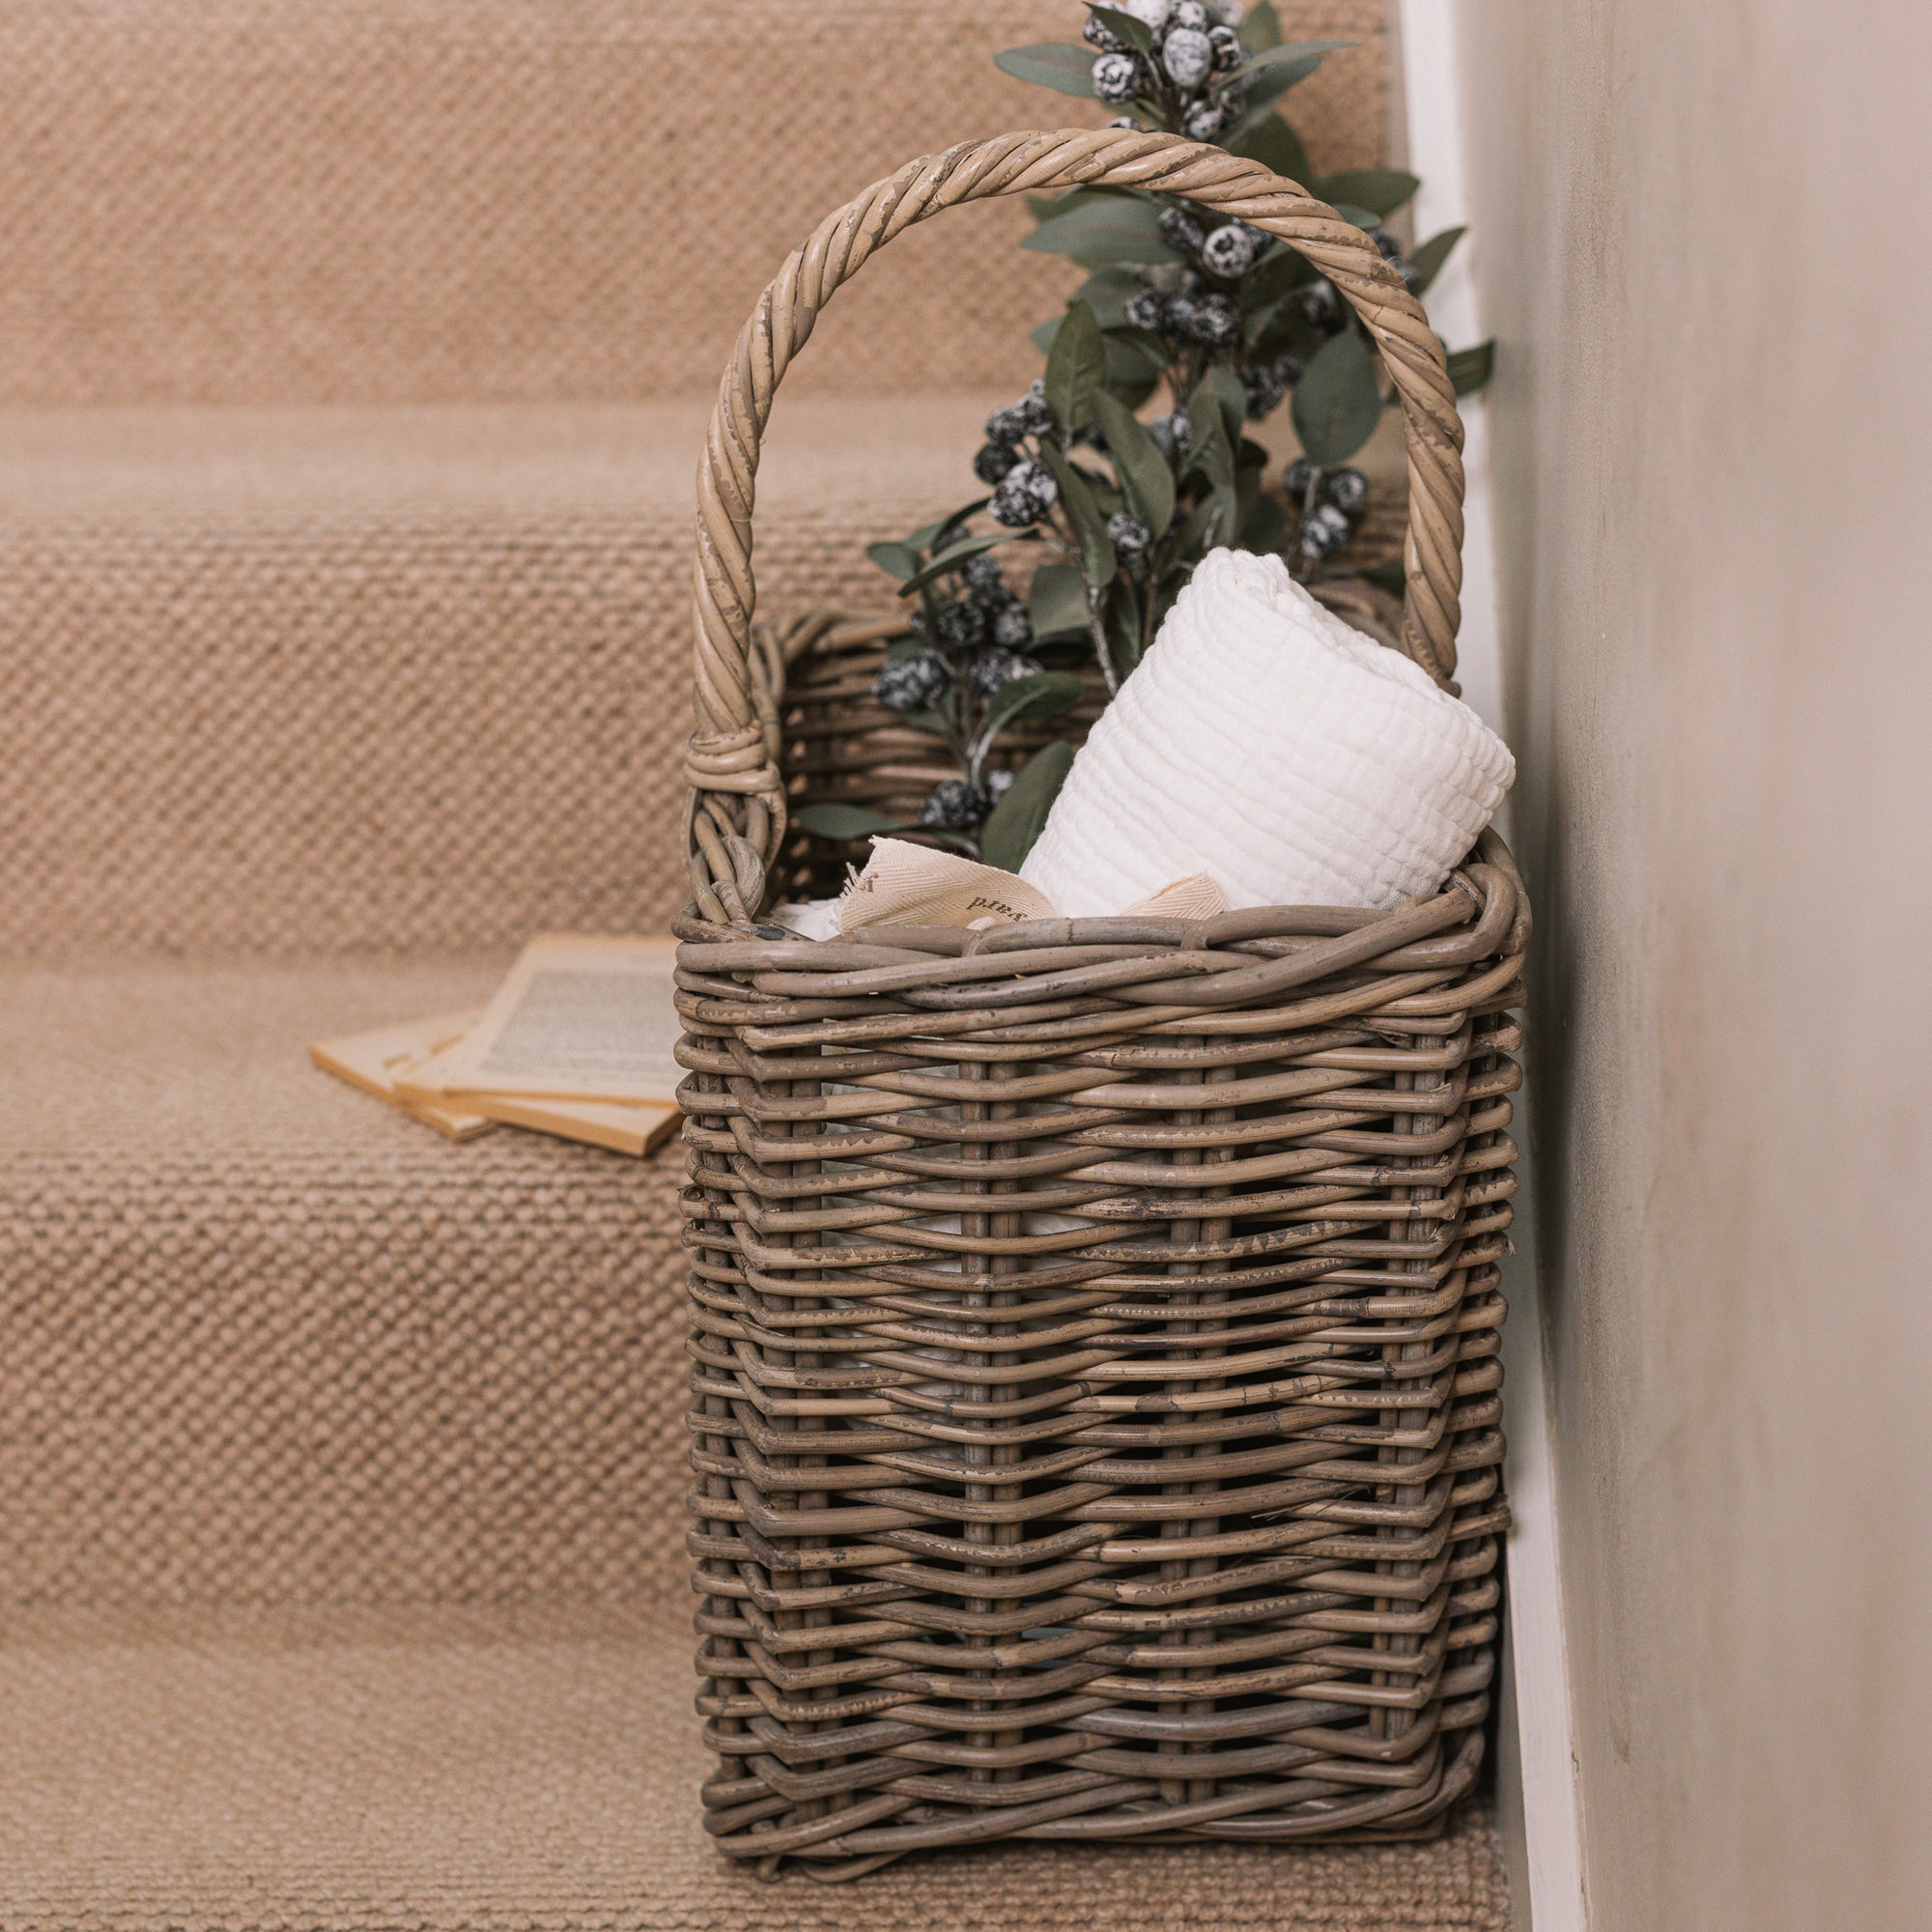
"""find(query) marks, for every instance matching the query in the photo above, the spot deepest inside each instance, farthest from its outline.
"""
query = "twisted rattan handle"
(737, 815)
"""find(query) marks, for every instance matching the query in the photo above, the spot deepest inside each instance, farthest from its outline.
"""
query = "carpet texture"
(443, 1774)
(264, 201)
(268, 1340)
(267, 677)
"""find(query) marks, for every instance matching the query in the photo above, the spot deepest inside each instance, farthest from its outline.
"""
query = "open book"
(579, 1040)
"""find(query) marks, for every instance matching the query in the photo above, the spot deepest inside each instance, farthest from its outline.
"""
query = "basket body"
(1097, 1414)
(1096, 1404)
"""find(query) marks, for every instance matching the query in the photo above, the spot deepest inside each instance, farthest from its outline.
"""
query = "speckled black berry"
(1169, 434)
(1181, 230)
(962, 627)
(981, 571)
(1025, 495)
(996, 668)
(1347, 489)
(1229, 251)
(1188, 55)
(1263, 389)
(996, 785)
(1005, 427)
(912, 683)
(1148, 310)
(1386, 244)
(1321, 303)
(1297, 479)
(993, 461)
(1323, 531)
(1129, 536)
(954, 806)
(1207, 117)
(1012, 627)
(1190, 14)
(1033, 408)
(1216, 322)
(1097, 34)
(1227, 46)
(1119, 78)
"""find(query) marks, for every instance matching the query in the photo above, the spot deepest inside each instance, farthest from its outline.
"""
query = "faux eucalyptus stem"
(1216, 319)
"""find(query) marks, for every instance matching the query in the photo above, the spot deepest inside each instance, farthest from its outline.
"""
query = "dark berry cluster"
(1182, 78)
(1023, 487)
(970, 641)
(1329, 502)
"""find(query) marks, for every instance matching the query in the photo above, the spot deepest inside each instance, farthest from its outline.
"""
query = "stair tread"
(270, 1341)
(263, 672)
(393, 200)
(231, 1773)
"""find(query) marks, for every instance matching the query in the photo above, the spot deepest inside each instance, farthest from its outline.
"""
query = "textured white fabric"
(1265, 742)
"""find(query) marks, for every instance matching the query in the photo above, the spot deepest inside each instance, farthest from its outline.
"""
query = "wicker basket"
(1094, 1322)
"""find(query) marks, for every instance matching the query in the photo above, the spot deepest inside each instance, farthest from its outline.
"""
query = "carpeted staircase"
(355, 359)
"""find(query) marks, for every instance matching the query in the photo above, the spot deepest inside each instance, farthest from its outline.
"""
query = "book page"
(378, 1061)
(579, 1018)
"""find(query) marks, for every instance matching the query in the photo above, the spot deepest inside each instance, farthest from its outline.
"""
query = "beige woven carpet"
(290, 681)
(265, 201)
(268, 1340)
(444, 1775)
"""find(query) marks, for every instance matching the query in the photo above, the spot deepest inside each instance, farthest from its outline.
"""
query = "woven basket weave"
(1095, 1321)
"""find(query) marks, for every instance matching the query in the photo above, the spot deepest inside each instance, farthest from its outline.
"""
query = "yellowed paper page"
(904, 884)
(624, 1127)
(373, 1061)
(579, 1018)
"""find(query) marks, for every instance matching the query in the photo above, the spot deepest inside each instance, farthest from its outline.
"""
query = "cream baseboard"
(1539, 1811)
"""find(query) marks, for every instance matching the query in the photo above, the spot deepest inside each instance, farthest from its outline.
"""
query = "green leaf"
(1109, 230)
(1076, 365)
(1234, 400)
(1107, 292)
(922, 540)
(1428, 260)
(1471, 368)
(1277, 273)
(1146, 481)
(1135, 360)
(1275, 145)
(953, 555)
(1212, 455)
(1055, 64)
(1389, 576)
(1089, 526)
(1363, 218)
(1381, 191)
(845, 821)
(1261, 28)
(1057, 601)
(1304, 55)
(1337, 403)
(1136, 32)
(1015, 822)
(895, 559)
(1123, 626)
(1040, 695)
(935, 722)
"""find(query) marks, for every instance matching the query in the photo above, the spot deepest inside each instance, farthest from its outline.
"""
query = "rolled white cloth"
(1267, 744)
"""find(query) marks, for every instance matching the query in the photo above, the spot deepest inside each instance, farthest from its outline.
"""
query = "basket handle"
(736, 816)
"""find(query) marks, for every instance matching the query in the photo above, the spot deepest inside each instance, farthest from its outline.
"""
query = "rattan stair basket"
(1094, 1343)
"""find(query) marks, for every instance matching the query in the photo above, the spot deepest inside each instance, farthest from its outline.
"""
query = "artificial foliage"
(1128, 458)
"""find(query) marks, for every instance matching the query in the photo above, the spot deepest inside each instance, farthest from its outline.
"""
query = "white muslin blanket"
(1267, 744)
